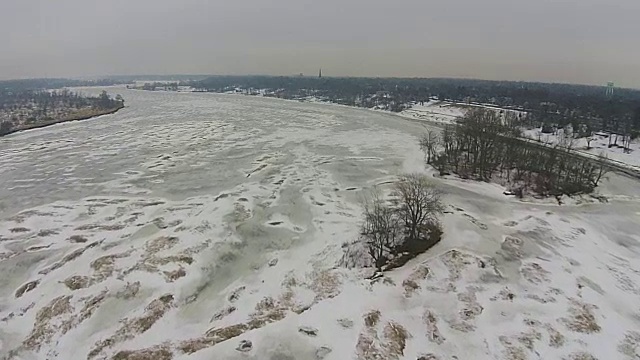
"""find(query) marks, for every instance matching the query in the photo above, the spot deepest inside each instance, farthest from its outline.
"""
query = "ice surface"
(188, 225)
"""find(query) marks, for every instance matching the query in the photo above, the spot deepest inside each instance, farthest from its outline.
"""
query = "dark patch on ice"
(351, 188)
(243, 199)
(581, 230)
(476, 222)
(583, 281)
(308, 330)
(40, 247)
(47, 232)
(386, 182)
(222, 313)
(257, 169)
(150, 203)
(245, 345)
(221, 196)
(26, 288)
(235, 295)
(275, 223)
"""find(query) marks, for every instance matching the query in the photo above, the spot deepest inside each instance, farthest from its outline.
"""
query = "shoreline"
(60, 121)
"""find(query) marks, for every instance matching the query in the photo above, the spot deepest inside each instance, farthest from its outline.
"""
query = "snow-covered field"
(444, 112)
(434, 111)
(599, 145)
(203, 226)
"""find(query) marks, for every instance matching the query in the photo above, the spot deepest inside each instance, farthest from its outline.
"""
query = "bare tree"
(418, 204)
(565, 139)
(601, 169)
(589, 140)
(381, 228)
(429, 143)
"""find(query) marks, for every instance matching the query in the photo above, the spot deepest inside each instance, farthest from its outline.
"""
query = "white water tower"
(609, 91)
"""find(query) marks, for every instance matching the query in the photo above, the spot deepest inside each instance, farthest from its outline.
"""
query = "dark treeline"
(484, 146)
(47, 100)
(127, 79)
(43, 84)
(153, 86)
(59, 83)
(28, 108)
(552, 104)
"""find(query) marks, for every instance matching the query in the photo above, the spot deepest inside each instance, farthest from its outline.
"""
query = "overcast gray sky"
(583, 41)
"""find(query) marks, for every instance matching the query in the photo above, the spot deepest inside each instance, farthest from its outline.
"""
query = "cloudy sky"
(583, 41)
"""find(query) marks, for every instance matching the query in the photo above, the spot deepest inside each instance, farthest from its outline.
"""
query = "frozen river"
(184, 144)
(201, 226)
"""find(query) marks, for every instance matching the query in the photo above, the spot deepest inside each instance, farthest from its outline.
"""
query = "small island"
(30, 109)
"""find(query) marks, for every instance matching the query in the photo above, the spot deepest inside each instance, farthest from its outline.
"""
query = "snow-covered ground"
(445, 112)
(434, 111)
(203, 226)
(599, 145)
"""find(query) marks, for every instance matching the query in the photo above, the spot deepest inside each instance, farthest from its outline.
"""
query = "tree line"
(485, 145)
(19, 85)
(24, 108)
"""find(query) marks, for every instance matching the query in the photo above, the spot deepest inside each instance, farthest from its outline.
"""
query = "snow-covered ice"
(209, 226)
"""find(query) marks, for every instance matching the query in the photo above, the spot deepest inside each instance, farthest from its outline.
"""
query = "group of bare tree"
(407, 223)
(484, 146)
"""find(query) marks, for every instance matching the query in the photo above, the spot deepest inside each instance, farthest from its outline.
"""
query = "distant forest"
(586, 107)
(12, 86)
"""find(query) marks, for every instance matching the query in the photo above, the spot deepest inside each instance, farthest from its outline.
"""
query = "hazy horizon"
(582, 42)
